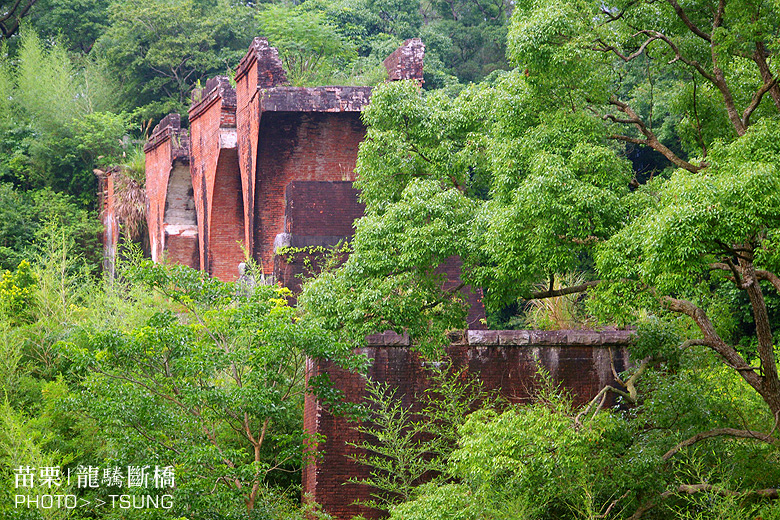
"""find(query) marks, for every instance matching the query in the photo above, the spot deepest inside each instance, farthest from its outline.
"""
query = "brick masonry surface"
(167, 148)
(245, 146)
(406, 62)
(214, 170)
(300, 146)
(317, 213)
(503, 360)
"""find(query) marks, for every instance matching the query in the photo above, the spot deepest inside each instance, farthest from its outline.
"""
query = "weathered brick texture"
(317, 213)
(260, 68)
(168, 190)
(110, 239)
(226, 235)
(276, 135)
(216, 179)
(506, 361)
(319, 210)
(452, 267)
(406, 62)
(298, 147)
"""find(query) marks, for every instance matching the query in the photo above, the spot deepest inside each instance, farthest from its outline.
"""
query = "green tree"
(51, 112)
(405, 446)
(26, 218)
(310, 47)
(212, 381)
(161, 49)
(12, 13)
(79, 23)
(525, 177)
(518, 194)
(469, 37)
(542, 461)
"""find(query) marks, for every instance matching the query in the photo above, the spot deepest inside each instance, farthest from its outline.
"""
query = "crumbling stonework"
(267, 167)
(169, 210)
(106, 200)
(249, 151)
(216, 181)
(406, 62)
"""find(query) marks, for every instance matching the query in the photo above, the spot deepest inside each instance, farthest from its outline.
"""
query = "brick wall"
(214, 160)
(167, 149)
(259, 68)
(406, 62)
(317, 213)
(295, 146)
(314, 99)
(227, 219)
(503, 360)
(321, 209)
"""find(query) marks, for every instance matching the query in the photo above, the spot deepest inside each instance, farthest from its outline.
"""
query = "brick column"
(215, 178)
(259, 68)
(167, 157)
(406, 62)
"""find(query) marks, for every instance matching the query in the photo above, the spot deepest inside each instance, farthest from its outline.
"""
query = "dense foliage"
(82, 83)
(525, 178)
(167, 367)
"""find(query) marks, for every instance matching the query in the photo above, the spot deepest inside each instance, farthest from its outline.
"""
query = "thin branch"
(690, 489)
(9, 30)
(605, 514)
(759, 56)
(720, 77)
(735, 249)
(599, 398)
(152, 439)
(757, 97)
(698, 120)
(603, 47)
(719, 432)
(712, 339)
(552, 293)
(679, 57)
(630, 394)
(629, 139)
(693, 342)
(770, 277)
(736, 273)
(447, 294)
(11, 11)
(687, 21)
(652, 141)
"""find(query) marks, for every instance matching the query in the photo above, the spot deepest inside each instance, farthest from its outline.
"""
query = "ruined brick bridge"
(265, 165)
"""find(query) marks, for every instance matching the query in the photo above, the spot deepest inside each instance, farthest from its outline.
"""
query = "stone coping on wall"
(531, 338)
(314, 99)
